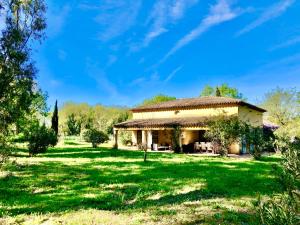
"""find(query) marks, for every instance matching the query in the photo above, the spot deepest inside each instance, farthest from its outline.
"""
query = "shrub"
(95, 137)
(255, 138)
(223, 132)
(176, 139)
(5, 149)
(284, 208)
(125, 137)
(40, 138)
(74, 126)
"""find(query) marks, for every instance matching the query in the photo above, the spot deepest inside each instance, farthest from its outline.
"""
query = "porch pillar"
(134, 137)
(180, 140)
(116, 132)
(144, 137)
(149, 139)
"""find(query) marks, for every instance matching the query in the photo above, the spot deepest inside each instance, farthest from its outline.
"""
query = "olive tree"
(95, 137)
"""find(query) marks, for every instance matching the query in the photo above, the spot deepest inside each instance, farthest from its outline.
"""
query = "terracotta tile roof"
(166, 122)
(201, 102)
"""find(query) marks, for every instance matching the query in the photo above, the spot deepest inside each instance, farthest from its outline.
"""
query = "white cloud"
(137, 81)
(219, 13)
(56, 19)
(172, 74)
(164, 13)
(290, 42)
(268, 14)
(116, 17)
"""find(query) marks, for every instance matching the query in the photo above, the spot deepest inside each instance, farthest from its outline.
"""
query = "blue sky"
(118, 52)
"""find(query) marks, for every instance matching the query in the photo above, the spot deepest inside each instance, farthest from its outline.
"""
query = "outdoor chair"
(209, 147)
(203, 146)
(197, 147)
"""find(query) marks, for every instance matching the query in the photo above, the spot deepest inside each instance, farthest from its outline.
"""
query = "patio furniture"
(209, 147)
(203, 146)
(154, 147)
(197, 147)
(163, 147)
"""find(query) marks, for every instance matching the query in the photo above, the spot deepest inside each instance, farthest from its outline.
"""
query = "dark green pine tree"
(218, 92)
(54, 125)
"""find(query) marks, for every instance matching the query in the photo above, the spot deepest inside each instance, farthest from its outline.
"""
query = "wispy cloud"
(290, 42)
(219, 13)
(268, 14)
(99, 75)
(164, 13)
(172, 74)
(56, 19)
(115, 17)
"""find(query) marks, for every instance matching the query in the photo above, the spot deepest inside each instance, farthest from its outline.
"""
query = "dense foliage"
(74, 118)
(221, 90)
(95, 137)
(73, 125)
(40, 138)
(24, 24)
(282, 105)
(157, 99)
(284, 208)
(224, 132)
(176, 139)
(54, 120)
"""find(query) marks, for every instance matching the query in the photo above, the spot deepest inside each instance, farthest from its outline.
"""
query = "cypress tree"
(54, 125)
(218, 92)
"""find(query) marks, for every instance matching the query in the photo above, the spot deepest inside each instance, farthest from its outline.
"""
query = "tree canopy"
(20, 97)
(85, 116)
(221, 90)
(282, 105)
(157, 99)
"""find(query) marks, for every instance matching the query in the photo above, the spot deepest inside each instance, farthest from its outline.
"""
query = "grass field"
(80, 185)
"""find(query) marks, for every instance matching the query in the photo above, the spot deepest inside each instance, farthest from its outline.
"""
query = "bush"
(255, 137)
(125, 137)
(5, 149)
(95, 137)
(224, 132)
(284, 208)
(40, 138)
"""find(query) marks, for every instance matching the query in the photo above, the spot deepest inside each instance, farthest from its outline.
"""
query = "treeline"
(74, 118)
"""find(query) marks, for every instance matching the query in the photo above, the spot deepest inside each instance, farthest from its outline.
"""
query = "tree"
(74, 126)
(24, 24)
(95, 137)
(157, 99)
(40, 138)
(221, 90)
(218, 93)
(282, 105)
(224, 132)
(54, 124)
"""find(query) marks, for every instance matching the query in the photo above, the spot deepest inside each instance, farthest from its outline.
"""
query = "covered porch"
(159, 134)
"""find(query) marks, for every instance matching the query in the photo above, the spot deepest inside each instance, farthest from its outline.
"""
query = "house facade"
(153, 125)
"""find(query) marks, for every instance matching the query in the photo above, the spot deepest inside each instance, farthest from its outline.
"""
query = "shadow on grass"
(112, 183)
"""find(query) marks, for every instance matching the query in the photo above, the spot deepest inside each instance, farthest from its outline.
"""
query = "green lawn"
(101, 186)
